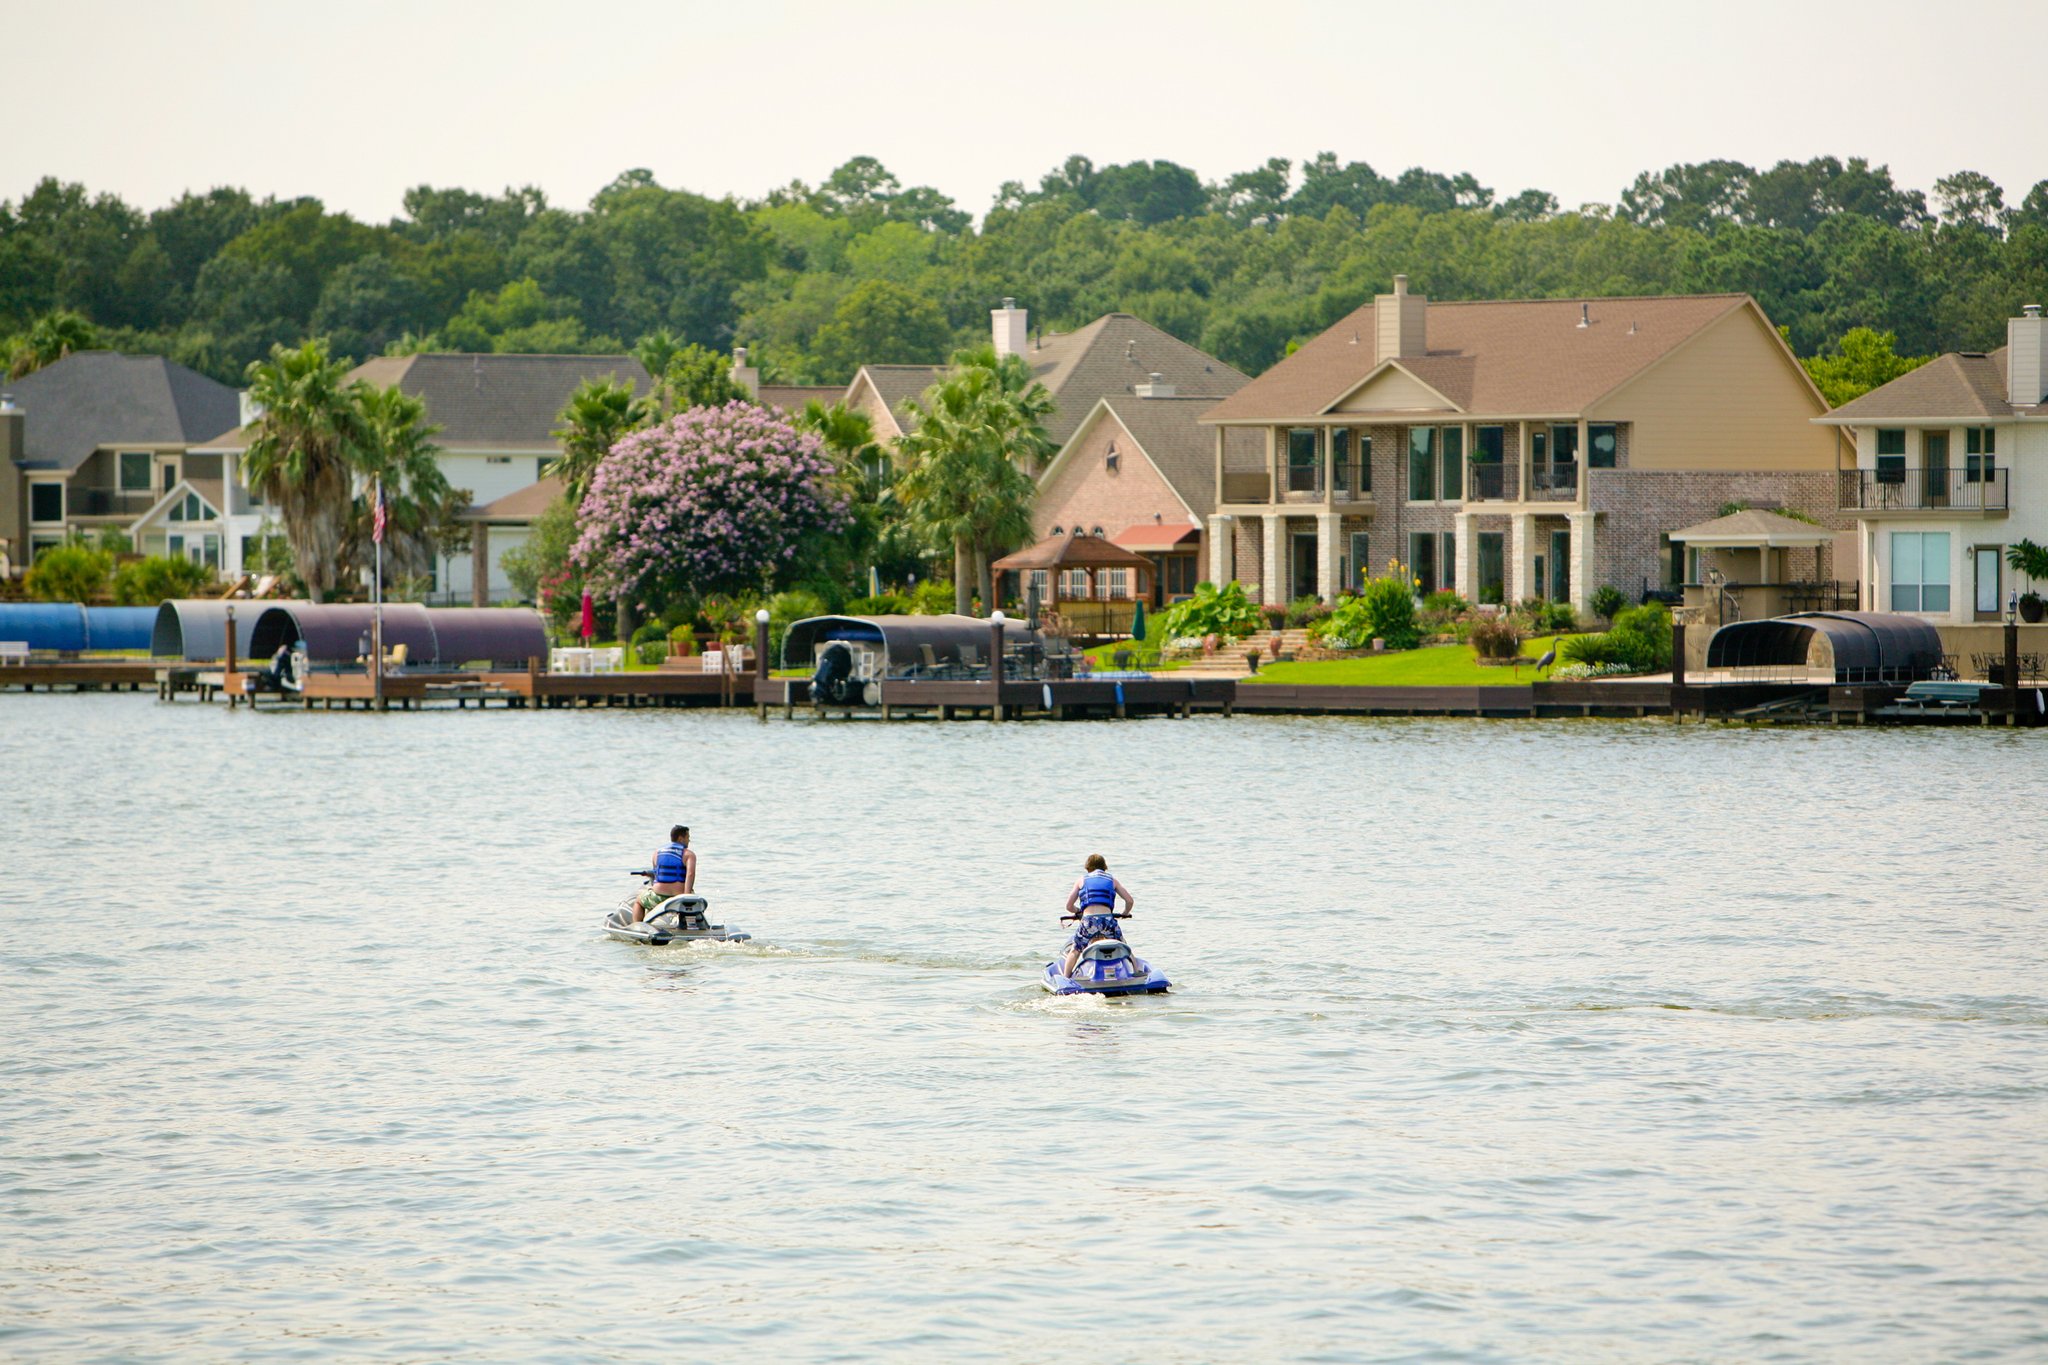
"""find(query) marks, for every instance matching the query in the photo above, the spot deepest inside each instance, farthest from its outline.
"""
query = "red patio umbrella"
(589, 626)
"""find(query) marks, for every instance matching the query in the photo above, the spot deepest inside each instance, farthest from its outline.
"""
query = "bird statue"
(1548, 657)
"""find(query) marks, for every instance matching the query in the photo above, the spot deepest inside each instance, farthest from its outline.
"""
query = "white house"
(1951, 468)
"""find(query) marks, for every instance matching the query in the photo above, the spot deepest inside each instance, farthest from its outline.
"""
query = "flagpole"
(377, 603)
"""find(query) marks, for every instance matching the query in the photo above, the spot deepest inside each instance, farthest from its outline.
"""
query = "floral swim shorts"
(1093, 927)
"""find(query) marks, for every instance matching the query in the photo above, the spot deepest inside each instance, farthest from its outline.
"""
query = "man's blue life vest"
(1098, 888)
(669, 866)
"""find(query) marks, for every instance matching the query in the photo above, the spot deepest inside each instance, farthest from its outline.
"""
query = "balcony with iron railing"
(1557, 481)
(1938, 490)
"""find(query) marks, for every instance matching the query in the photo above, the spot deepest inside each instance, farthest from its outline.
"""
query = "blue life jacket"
(1098, 888)
(669, 866)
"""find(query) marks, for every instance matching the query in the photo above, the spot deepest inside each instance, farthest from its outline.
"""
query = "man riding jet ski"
(670, 908)
(1098, 961)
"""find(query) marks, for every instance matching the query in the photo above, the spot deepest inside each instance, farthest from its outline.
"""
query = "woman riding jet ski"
(1099, 962)
(670, 909)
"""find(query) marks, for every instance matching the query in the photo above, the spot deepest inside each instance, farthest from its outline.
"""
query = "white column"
(1582, 559)
(1329, 531)
(1521, 544)
(1222, 549)
(1466, 582)
(1270, 572)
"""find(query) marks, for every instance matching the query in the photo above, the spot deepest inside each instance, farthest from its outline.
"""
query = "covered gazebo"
(1747, 565)
(1094, 584)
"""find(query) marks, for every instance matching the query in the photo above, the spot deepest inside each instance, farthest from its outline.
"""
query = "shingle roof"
(796, 397)
(501, 401)
(1952, 385)
(1071, 552)
(1110, 357)
(1755, 526)
(521, 504)
(1169, 431)
(91, 399)
(1497, 357)
(895, 385)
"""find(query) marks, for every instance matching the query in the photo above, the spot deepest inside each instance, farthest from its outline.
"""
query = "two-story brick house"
(1512, 449)
(1951, 468)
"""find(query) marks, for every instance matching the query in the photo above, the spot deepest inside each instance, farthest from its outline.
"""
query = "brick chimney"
(1008, 323)
(746, 376)
(2026, 357)
(1402, 323)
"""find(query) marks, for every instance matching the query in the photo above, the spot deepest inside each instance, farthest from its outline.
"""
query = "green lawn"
(1434, 666)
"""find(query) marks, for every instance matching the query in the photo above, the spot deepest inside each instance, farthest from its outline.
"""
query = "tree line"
(817, 279)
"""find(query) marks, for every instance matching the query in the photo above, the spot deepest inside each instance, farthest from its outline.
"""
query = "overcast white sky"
(355, 102)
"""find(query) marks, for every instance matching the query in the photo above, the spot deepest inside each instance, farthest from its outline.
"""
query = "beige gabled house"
(1513, 449)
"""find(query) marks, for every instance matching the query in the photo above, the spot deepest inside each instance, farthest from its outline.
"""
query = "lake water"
(1577, 1041)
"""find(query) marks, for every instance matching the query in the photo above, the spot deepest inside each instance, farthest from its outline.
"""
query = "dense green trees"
(817, 279)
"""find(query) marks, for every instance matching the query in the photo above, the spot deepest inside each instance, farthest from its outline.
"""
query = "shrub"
(1608, 601)
(1224, 612)
(1557, 617)
(1306, 611)
(1383, 609)
(68, 573)
(888, 604)
(1494, 637)
(933, 597)
(1645, 636)
(146, 582)
(1447, 603)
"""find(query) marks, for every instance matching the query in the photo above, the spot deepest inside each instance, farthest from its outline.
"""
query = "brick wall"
(1638, 505)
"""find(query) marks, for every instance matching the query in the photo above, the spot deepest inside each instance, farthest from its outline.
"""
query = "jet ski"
(679, 919)
(1106, 967)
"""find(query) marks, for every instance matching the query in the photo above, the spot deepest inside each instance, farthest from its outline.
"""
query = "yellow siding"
(1731, 399)
(1394, 390)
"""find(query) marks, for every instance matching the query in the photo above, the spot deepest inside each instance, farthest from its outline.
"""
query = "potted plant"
(2032, 560)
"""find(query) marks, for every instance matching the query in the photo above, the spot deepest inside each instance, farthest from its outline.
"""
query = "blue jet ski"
(1106, 967)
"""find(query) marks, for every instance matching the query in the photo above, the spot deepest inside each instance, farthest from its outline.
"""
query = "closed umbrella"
(589, 626)
(1138, 621)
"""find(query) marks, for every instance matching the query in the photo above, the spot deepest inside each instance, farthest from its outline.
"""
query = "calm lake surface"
(1576, 1041)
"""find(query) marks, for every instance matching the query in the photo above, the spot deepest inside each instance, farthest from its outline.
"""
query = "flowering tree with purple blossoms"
(724, 499)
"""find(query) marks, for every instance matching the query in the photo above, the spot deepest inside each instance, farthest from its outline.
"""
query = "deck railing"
(1926, 490)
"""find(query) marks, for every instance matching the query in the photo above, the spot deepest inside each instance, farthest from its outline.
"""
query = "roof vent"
(2032, 310)
(1585, 317)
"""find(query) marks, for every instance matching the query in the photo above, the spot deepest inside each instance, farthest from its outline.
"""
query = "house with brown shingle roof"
(1951, 468)
(1512, 449)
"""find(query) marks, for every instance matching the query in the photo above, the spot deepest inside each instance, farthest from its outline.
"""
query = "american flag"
(379, 517)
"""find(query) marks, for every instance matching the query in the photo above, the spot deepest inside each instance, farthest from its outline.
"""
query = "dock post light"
(995, 661)
(761, 647)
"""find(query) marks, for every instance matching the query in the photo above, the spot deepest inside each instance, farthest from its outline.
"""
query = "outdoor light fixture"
(2012, 606)
(761, 616)
(996, 617)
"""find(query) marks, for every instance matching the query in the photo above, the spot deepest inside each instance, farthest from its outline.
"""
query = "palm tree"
(304, 456)
(964, 478)
(50, 338)
(397, 448)
(598, 415)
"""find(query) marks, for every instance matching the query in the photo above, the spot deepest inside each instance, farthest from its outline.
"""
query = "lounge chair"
(265, 586)
(234, 589)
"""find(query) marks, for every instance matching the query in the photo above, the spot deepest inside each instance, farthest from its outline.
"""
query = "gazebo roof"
(1753, 527)
(1073, 552)
(1156, 536)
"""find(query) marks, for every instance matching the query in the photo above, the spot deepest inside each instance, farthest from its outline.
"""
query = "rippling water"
(1489, 1041)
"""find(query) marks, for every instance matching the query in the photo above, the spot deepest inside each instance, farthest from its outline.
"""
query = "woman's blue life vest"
(1098, 888)
(669, 867)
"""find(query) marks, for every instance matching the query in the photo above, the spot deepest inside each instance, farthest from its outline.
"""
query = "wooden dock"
(80, 675)
(1010, 699)
(530, 689)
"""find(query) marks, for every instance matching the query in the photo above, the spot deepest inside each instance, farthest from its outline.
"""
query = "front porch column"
(480, 565)
(1521, 545)
(1581, 567)
(1222, 549)
(1270, 570)
(1329, 531)
(1466, 576)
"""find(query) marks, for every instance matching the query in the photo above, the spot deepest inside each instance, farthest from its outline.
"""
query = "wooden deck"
(80, 675)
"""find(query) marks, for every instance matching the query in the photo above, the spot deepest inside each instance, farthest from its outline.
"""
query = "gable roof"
(209, 491)
(521, 504)
(1110, 357)
(1955, 385)
(1493, 357)
(500, 401)
(896, 385)
(90, 399)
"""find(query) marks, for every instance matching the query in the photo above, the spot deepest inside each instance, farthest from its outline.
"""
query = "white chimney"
(746, 376)
(248, 410)
(1401, 323)
(1153, 387)
(1008, 324)
(2026, 357)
